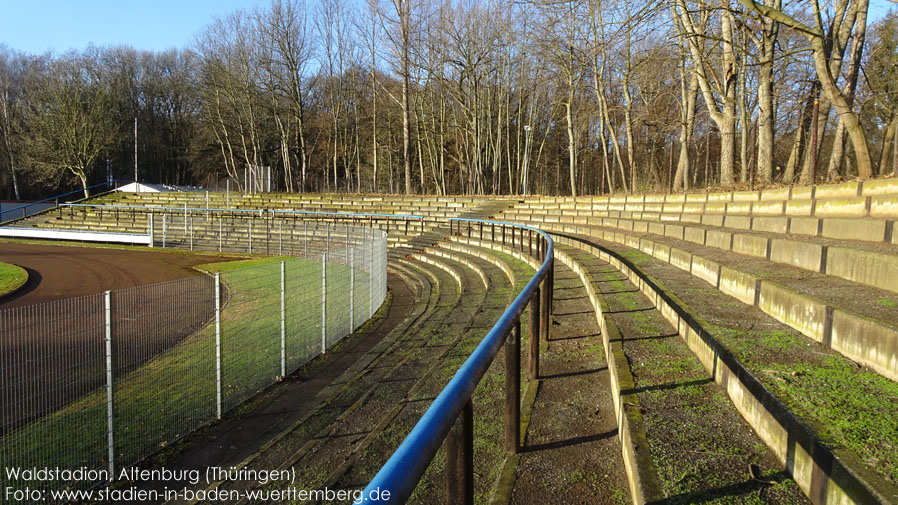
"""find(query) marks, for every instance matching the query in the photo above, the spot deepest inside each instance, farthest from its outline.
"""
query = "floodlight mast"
(137, 187)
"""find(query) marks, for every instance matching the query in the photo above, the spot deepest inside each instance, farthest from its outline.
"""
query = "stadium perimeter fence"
(100, 382)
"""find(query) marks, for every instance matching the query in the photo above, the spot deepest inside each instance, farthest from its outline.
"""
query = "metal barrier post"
(546, 289)
(251, 234)
(533, 344)
(323, 302)
(460, 458)
(351, 290)
(164, 226)
(283, 322)
(150, 226)
(219, 234)
(513, 389)
(218, 346)
(110, 413)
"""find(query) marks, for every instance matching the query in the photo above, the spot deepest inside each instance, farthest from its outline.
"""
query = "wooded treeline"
(470, 96)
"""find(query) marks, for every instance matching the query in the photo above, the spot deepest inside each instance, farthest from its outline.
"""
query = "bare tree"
(69, 120)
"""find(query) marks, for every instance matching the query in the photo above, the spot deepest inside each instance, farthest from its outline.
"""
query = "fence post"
(323, 302)
(164, 226)
(283, 322)
(280, 238)
(369, 249)
(219, 234)
(351, 290)
(218, 346)
(150, 226)
(185, 218)
(191, 232)
(110, 414)
(533, 344)
(513, 389)
(251, 234)
(460, 458)
(305, 233)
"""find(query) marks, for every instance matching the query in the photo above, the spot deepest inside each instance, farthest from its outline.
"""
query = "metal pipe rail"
(452, 410)
(52, 200)
(353, 217)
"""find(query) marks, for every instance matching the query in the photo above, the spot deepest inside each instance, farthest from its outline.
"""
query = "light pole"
(526, 155)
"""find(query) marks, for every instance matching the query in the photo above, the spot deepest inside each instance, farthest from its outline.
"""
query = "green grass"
(11, 278)
(175, 392)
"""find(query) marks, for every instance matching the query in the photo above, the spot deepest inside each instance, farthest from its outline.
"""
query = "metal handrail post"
(513, 389)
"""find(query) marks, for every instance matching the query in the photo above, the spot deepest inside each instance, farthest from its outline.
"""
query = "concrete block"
(775, 194)
(654, 198)
(880, 187)
(771, 224)
(872, 269)
(653, 207)
(629, 240)
(868, 230)
(739, 208)
(705, 269)
(841, 207)
(712, 220)
(720, 197)
(870, 342)
(693, 208)
(719, 239)
(696, 198)
(625, 215)
(625, 224)
(675, 198)
(746, 196)
(674, 230)
(694, 234)
(737, 222)
(673, 207)
(842, 190)
(802, 193)
(691, 218)
(618, 199)
(802, 312)
(681, 259)
(633, 207)
(777, 208)
(641, 226)
(635, 198)
(751, 245)
(647, 246)
(804, 226)
(671, 217)
(794, 252)
(661, 251)
(884, 206)
(716, 207)
(656, 228)
(739, 285)
(799, 207)
(616, 206)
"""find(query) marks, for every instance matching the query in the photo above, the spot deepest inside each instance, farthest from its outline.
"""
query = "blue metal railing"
(54, 200)
(401, 473)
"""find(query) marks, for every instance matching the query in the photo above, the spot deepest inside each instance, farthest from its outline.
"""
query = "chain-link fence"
(97, 383)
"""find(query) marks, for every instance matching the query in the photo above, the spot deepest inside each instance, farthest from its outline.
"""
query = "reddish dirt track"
(58, 271)
(57, 353)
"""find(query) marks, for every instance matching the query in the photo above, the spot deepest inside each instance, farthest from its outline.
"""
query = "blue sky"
(35, 26)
